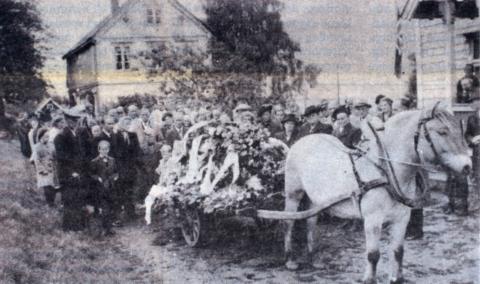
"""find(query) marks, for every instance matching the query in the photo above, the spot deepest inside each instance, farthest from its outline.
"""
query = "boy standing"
(103, 171)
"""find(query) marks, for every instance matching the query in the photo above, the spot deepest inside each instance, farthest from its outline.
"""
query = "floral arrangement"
(252, 177)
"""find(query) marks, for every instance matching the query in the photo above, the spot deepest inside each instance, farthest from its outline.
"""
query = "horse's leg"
(373, 231)
(155, 192)
(311, 226)
(397, 231)
(292, 201)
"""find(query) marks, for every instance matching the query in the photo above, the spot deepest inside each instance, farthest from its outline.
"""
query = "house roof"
(45, 102)
(430, 9)
(89, 38)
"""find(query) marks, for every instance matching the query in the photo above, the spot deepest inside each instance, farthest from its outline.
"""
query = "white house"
(106, 62)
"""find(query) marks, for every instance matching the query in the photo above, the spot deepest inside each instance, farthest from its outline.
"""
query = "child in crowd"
(103, 171)
(43, 157)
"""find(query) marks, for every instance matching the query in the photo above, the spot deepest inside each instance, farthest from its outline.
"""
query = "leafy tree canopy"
(21, 32)
(252, 34)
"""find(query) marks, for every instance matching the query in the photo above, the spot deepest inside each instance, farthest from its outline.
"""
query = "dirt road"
(449, 253)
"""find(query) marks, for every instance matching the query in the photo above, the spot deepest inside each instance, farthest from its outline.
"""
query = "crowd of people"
(107, 163)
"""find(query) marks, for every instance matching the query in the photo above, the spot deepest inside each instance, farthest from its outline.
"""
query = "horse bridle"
(393, 185)
(422, 124)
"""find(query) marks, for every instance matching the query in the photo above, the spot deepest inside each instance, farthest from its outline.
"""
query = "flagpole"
(338, 86)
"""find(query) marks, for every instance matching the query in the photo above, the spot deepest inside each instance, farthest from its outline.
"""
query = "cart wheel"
(194, 227)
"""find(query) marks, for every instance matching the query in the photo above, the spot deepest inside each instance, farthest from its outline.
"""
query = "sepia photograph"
(240, 141)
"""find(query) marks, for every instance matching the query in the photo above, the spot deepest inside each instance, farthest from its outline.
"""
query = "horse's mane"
(446, 118)
(400, 119)
(442, 114)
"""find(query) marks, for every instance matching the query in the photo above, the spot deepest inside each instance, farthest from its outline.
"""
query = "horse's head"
(440, 139)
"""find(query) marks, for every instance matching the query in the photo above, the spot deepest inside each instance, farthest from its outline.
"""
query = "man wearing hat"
(324, 114)
(70, 174)
(468, 86)
(289, 134)
(360, 116)
(344, 131)
(265, 116)
(313, 125)
(239, 112)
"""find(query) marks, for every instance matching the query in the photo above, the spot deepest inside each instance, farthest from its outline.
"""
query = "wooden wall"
(431, 50)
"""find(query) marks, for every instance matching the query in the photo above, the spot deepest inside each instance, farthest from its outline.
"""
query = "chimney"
(115, 5)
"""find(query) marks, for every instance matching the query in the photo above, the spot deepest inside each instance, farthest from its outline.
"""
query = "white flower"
(254, 183)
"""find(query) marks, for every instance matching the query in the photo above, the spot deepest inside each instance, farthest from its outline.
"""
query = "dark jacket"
(318, 128)
(84, 136)
(472, 130)
(126, 152)
(350, 136)
(170, 135)
(275, 127)
(22, 132)
(69, 155)
(105, 169)
(283, 137)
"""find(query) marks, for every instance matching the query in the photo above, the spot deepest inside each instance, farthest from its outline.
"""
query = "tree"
(249, 36)
(21, 35)
(249, 46)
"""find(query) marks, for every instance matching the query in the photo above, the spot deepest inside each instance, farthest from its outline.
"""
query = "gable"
(131, 22)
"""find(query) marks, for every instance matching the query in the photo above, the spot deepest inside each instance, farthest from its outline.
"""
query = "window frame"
(122, 55)
(154, 16)
(150, 16)
(471, 39)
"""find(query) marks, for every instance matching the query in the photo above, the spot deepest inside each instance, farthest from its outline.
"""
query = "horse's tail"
(293, 181)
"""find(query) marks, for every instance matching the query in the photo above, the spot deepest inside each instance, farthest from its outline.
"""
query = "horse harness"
(363, 186)
(391, 184)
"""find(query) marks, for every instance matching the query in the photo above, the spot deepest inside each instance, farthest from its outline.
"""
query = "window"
(473, 41)
(153, 16)
(122, 57)
(150, 16)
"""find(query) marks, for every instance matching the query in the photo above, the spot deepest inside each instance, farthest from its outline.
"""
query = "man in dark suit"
(344, 130)
(472, 135)
(70, 174)
(127, 152)
(313, 125)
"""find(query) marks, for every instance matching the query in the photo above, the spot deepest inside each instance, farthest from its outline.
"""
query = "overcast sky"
(354, 37)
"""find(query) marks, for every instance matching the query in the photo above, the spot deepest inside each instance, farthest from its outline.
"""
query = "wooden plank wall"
(433, 40)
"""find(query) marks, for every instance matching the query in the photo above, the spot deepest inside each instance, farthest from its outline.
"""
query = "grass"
(34, 249)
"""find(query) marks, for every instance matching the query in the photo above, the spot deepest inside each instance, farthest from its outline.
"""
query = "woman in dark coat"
(344, 130)
(289, 135)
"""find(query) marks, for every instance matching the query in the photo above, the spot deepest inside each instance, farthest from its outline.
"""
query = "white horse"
(319, 166)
